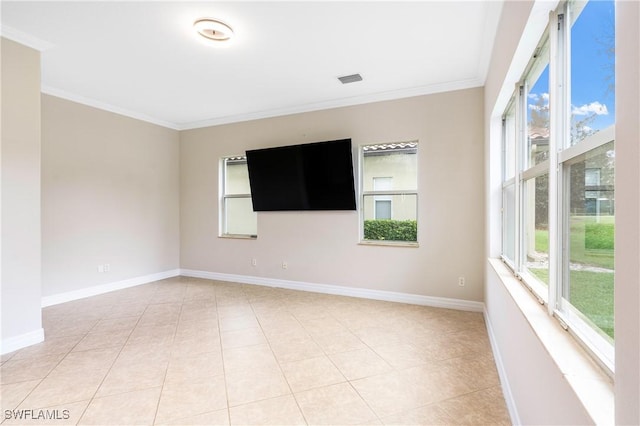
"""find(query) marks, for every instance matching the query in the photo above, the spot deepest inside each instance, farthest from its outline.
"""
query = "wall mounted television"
(311, 176)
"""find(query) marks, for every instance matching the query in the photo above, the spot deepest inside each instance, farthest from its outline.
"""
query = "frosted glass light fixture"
(212, 29)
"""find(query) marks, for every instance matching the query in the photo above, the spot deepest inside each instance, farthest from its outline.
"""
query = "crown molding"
(48, 90)
(25, 39)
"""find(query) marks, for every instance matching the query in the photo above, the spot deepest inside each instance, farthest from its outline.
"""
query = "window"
(237, 218)
(389, 181)
(558, 214)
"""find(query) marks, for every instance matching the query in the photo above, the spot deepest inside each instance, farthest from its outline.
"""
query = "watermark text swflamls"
(36, 414)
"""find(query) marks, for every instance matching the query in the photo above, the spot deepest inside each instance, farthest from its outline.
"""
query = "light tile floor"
(191, 351)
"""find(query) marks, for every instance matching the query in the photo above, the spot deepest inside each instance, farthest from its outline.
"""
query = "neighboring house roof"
(391, 147)
(539, 134)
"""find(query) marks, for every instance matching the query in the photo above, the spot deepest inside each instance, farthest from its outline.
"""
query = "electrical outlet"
(107, 267)
(254, 262)
(284, 265)
(461, 281)
(100, 268)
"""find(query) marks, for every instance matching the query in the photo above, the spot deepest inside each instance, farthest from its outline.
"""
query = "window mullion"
(393, 192)
(558, 124)
(520, 151)
(590, 143)
(535, 171)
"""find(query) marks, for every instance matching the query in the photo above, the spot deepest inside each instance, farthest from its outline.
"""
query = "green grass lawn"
(591, 293)
(591, 244)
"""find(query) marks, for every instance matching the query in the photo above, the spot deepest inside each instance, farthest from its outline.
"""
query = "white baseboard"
(390, 296)
(105, 288)
(18, 342)
(502, 373)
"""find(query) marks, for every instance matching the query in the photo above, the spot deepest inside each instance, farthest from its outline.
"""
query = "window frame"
(224, 197)
(387, 195)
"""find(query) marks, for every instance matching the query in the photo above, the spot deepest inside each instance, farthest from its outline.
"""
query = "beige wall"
(110, 195)
(627, 281)
(539, 391)
(21, 314)
(322, 247)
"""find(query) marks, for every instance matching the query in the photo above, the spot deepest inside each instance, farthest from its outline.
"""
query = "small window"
(237, 218)
(389, 192)
(591, 177)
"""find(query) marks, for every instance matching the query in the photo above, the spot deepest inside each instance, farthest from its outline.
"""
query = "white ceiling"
(142, 59)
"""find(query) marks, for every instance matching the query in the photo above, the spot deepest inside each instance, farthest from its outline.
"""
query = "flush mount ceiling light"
(212, 29)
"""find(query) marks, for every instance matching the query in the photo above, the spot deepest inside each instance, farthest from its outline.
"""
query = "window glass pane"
(509, 222)
(536, 227)
(592, 67)
(591, 220)
(240, 217)
(237, 176)
(401, 224)
(404, 206)
(509, 165)
(538, 109)
(396, 164)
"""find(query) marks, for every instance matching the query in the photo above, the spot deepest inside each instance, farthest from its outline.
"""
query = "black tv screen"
(313, 176)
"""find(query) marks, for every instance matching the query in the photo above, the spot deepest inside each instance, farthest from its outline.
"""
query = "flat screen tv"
(313, 176)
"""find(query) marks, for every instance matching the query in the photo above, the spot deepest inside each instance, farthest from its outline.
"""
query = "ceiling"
(143, 59)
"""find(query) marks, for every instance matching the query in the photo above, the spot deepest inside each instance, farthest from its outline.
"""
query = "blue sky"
(591, 67)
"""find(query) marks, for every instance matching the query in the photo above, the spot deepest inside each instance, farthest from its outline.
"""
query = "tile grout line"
(224, 369)
(111, 366)
(166, 371)
(61, 360)
(349, 381)
(54, 367)
(277, 361)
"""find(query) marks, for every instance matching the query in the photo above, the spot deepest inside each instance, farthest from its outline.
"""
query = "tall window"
(558, 173)
(389, 176)
(237, 218)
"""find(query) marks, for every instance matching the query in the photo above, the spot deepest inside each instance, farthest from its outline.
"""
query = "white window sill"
(239, 236)
(591, 384)
(388, 243)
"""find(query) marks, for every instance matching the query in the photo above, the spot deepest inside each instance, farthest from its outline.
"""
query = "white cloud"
(536, 96)
(594, 107)
(541, 101)
(535, 107)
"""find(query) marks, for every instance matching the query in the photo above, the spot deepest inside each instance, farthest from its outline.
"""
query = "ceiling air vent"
(350, 78)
